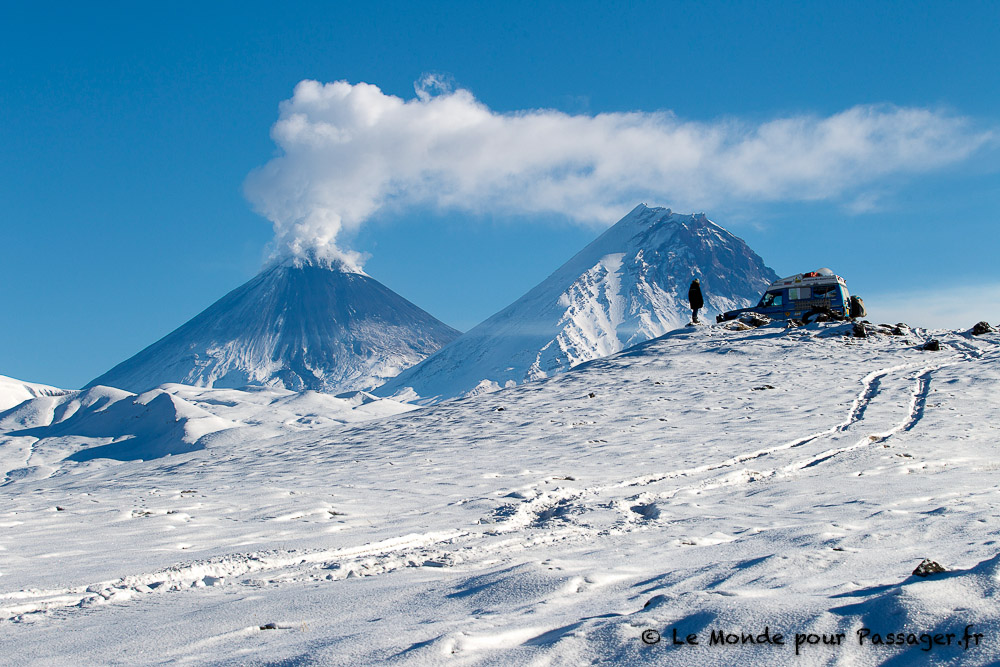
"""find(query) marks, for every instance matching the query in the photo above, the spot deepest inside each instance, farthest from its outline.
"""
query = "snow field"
(716, 480)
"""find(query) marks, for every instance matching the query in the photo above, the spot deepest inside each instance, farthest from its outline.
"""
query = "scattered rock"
(60, 509)
(591, 395)
(793, 323)
(860, 330)
(754, 320)
(822, 314)
(933, 345)
(981, 328)
(499, 408)
(736, 325)
(762, 387)
(928, 567)
(269, 626)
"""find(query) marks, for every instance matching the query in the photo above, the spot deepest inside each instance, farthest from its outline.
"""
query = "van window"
(824, 291)
(771, 299)
(796, 293)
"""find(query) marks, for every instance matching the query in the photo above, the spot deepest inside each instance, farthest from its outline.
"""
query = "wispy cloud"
(350, 150)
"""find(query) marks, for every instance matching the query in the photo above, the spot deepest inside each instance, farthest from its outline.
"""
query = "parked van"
(805, 296)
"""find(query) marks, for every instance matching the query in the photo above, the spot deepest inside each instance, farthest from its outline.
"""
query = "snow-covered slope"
(13, 392)
(101, 422)
(628, 286)
(296, 326)
(711, 480)
(38, 436)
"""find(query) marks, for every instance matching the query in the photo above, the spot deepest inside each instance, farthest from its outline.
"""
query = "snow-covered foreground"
(709, 480)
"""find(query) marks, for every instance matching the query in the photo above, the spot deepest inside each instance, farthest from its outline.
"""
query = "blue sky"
(128, 131)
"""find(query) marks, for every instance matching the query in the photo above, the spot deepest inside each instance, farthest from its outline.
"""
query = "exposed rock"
(981, 328)
(933, 345)
(928, 567)
(860, 331)
(822, 315)
(754, 319)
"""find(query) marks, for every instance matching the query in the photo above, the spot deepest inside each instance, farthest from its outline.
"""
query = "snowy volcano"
(630, 285)
(297, 325)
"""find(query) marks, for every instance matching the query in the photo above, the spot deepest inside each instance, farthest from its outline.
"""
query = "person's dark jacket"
(694, 296)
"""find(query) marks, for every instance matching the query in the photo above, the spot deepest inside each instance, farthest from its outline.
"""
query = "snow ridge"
(14, 392)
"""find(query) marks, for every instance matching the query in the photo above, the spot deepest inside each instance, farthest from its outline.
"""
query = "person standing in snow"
(696, 300)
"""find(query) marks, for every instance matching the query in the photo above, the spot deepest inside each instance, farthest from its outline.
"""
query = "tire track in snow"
(436, 549)
(443, 549)
(915, 411)
(919, 404)
(538, 509)
(871, 387)
(220, 570)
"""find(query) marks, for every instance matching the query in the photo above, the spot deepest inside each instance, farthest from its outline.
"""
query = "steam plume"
(349, 150)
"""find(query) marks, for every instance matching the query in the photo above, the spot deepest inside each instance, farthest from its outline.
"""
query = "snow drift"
(13, 392)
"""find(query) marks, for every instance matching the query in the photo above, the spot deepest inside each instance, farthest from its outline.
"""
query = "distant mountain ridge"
(297, 325)
(628, 286)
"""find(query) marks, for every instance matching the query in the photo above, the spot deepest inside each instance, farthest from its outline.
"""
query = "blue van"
(805, 296)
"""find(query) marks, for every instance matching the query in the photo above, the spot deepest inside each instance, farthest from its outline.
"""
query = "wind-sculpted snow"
(628, 286)
(14, 392)
(295, 326)
(39, 435)
(711, 481)
(101, 422)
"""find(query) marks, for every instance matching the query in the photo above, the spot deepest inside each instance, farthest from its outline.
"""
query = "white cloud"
(350, 150)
